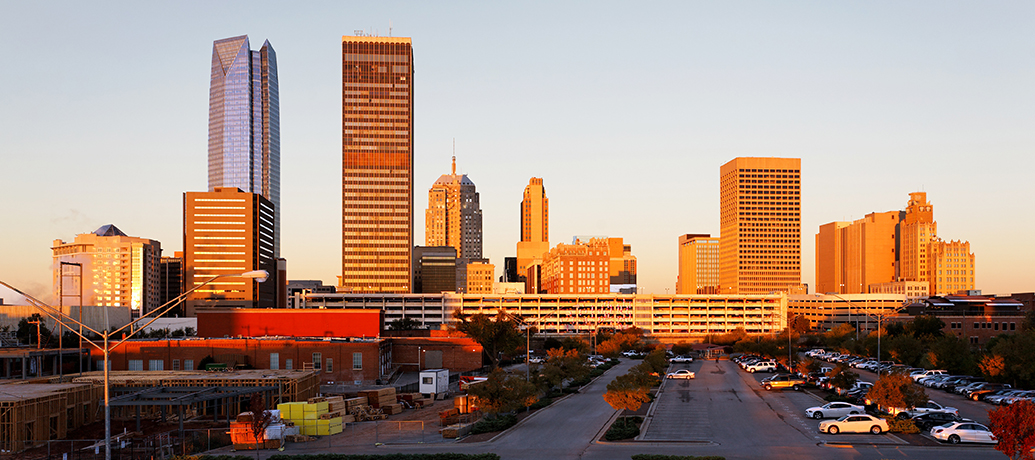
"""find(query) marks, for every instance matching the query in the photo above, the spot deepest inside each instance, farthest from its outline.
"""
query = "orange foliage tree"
(1014, 425)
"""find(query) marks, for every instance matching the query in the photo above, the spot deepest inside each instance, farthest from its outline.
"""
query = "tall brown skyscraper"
(454, 215)
(760, 225)
(535, 225)
(377, 164)
(852, 256)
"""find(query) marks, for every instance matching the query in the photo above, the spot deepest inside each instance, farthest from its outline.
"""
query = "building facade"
(698, 264)
(170, 281)
(434, 269)
(535, 225)
(861, 311)
(852, 256)
(480, 277)
(760, 225)
(244, 122)
(917, 231)
(377, 164)
(228, 231)
(578, 268)
(911, 289)
(953, 266)
(117, 270)
(621, 266)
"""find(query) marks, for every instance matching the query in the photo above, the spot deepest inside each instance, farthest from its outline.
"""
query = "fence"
(164, 445)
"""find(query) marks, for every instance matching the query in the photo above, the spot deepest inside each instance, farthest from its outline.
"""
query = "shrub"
(896, 425)
(541, 403)
(624, 428)
(487, 425)
(835, 398)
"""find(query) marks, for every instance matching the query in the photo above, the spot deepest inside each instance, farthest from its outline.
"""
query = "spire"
(454, 165)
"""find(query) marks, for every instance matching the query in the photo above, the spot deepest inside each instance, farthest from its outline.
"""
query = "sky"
(625, 109)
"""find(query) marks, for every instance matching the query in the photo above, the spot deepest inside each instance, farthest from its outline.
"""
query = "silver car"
(834, 410)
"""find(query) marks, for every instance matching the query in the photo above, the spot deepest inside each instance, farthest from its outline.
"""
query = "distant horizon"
(626, 112)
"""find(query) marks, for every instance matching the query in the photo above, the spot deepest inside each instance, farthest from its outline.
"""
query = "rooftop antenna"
(389, 27)
(454, 156)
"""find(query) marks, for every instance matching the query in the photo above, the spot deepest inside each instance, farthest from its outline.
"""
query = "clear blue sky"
(626, 109)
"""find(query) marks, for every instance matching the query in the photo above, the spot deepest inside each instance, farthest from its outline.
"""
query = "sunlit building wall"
(454, 215)
(760, 225)
(535, 225)
(621, 266)
(228, 231)
(579, 268)
(480, 278)
(244, 122)
(852, 256)
(377, 164)
(918, 230)
(117, 270)
(862, 311)
(698, 264)
(954, 265)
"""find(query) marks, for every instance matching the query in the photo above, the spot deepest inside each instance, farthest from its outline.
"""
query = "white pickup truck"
(761, 366)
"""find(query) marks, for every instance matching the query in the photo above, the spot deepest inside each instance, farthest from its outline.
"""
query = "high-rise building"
(918, 230)
(228, 231)
(244, 122)
(480, 277)
(577, 268)
(170, 281)
(434, 269)
(698, 264)
(852, 256)
(760, 224)
(954, 264)
(377, 164)
(621, 266)
(535, 225)
(454, 215)
(117, 270)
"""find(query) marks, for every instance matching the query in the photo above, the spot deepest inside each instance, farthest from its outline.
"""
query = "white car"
(761, 366)
(931, 406)
(682, 359)
(681, 374)
(964, 432)
(834, 410)
(858, 423)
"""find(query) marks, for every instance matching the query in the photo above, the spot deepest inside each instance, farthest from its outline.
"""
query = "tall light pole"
(59, 316)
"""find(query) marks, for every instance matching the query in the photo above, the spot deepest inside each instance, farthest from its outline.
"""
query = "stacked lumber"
(456, 430)
(380, 397)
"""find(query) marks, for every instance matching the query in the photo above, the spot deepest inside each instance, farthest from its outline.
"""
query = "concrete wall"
(93, 316)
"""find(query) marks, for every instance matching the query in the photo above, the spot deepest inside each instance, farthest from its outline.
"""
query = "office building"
(918, 229)
(953, 264)
(434, 269)
(621, 266)
(228, 231)
(911, 289)
(760, 226)
(377, 164)
(698, 264)
(454, 215)
(480, 277)
(170, 281)
(535, 225)
(244, 122)
(850, 257)
(116, 270)
(577, 268)
(861, 311)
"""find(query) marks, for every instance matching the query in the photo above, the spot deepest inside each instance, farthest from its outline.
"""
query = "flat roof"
(23, 391)
(27, 352)
(243, 374)
(369, 39)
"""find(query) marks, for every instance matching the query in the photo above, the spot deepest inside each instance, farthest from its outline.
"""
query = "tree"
(952, 354)
(656, 360)
(682, 348)
(799, 323)
(926, 327)
(502, 392)
(1014, 426)
(842, 378)
(808, 366)
(496, 335)
(897, 390)
(626, 393)
(562, 365)
(576, 344)
(906, 349)
(404, 324)
(261, 419)
(27, 332)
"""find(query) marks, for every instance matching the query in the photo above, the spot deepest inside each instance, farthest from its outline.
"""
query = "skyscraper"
(535, 225)
(454, 215)
(760, 225)
(228, 231)
(852, 256)
(244, 122)
(918, 231)
(377, 164)
(698, 264)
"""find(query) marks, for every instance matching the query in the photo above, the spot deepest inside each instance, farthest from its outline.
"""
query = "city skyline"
(877, 100)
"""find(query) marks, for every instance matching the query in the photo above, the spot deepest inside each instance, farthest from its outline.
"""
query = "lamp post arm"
(163, 309)
(56, 316)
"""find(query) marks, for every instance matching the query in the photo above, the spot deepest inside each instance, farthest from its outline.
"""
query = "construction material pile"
(314, 416)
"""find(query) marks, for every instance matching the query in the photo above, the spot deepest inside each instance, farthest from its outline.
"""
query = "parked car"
(932, 419)
(761, 366)
(931, 406)
(779, 382)
(681, 374)
(859, 423)
(682, 359)
(928, 373)
(834, 410)
(536, 359)
(977, 392)
(964, 432)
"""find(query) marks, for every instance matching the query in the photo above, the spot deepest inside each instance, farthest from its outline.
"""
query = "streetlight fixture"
(59, 317)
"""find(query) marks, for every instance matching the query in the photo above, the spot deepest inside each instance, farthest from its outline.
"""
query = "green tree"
(897, 390)
(682, 348)
(496, 335)
(27, 332)
(404, 324)
(906, 349)
(502, 392)
(577, 344)
(1011, 359)
(926, 327)
(1014, 426)
(656, 360)
(952, 354)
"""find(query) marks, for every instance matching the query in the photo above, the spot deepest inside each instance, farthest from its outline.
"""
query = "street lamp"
(257, 275)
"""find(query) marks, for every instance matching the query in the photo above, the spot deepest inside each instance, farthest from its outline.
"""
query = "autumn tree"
(808, 366)
(1014, 426)
(626, 392)
(562, 365)
(897, 390)
(798, 323)
(682, 348)
(261, 419)
(502, 392)
(842, 378)
(496, 335)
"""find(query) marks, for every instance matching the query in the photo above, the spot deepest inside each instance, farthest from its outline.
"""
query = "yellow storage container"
(285, 409)
(335, 421)
(323, 422)
(309, 430)
(322, 407)
(335, 429)
(323, 430)
(308, 407)
(310, 416)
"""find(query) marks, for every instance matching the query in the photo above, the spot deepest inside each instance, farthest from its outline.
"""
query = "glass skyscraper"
(244, 122)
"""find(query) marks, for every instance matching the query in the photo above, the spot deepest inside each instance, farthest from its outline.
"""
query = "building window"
(973, 340)
(317, 358)
(1013, 326)
(188, 364)
(996, 326)
(288, 363)
(330, 365)
(274, 361)
(135, 364)
(176, 364)
(357, 361)
(156, 365)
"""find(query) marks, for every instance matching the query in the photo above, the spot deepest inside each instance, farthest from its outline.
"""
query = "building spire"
(454, 156)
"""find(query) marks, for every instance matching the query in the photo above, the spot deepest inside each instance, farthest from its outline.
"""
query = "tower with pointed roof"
(454, 215)
(244, 122)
